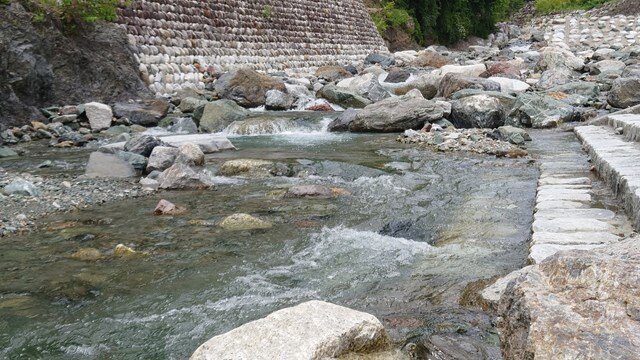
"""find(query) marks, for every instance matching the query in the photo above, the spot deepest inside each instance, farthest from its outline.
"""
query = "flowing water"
(417, 228)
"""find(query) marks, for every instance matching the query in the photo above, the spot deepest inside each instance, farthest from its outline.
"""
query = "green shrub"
(74, 12)
(548, 6)
(502, 9)
(391, 16)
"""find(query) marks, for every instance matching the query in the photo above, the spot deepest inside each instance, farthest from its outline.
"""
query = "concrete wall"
(181, 42)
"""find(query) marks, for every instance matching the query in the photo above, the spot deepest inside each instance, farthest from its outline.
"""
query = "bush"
(391, 16)
(502, 9)
(548, 6)
(76, 12)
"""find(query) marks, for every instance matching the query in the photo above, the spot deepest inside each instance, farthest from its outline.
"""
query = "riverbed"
(408, 231)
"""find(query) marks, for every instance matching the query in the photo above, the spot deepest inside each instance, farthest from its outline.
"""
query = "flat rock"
(566, 224)
(576, 238)
(313, 330)
(108, 165)
(598, 214)
(208, 143)
(540, 252)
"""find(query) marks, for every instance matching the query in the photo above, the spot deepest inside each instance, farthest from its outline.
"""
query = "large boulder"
(342, 122)
(217, 115)
(278, 100)
(541, 111)
(366, 85)
(190, 154)
(589, 89)
(453, 82)
(313, 330)
(607, 66)
(383, 60)
(427, 84)
(343, 97)
(555, 77)
(332, 73)
(478, 111)
(556, 57)
(575, 305)
(142, 144)
(161, 158)
(181, 176)
(145, 112)
(428, 58)
(510, 85)
(99, 115)
(465, 70)
(624, 93)
(410, 111)
(502, 69)
(248, 88)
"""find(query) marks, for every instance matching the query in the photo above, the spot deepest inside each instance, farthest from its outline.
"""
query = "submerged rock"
(6, 152)
(239, 222)
(309, 191)
(312, 330)
(246, 167)
(108, 165)
(87, 254)
(122, 250)
(165, 207)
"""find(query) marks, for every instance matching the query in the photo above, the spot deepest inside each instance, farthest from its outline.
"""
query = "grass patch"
(550, 6)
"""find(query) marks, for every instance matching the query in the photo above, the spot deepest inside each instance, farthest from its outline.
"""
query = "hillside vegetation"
(447, 21)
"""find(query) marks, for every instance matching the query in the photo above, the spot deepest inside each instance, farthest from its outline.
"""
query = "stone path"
(615, 154)
(566, 216)
(586, 30)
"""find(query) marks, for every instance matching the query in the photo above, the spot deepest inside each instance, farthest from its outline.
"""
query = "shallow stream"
(411, 230)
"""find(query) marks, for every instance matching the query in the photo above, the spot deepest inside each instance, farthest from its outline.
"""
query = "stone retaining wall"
(180, 42)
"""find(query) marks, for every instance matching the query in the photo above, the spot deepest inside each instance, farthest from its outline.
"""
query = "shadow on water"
(416, 228)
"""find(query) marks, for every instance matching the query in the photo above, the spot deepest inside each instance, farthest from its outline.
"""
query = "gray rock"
(342, 97)
(190, 154)
(541, 111)
(453, 82)
(383, 60)
(366, 85)
(564, 308)
(149, 184)
(216, 116)
(138, 161)
(312, 330)
(589, 89)
(607, 66)
(342, 122)
(6, 152)
(332, 73)
(21, 187)
(309, 191)
(513, 134)
(478, 111)
(142, 144)
(555, 77)
(144, 112)
(427, 84)
(397, 75)
(184, 126)
(248, 88)
(99, 115)
(190, 104)
(246, 167)
(181, 176)
(278, 100)
(555, 57)
(161, 158)
(624, 93)
(108, 165)
(410, 111)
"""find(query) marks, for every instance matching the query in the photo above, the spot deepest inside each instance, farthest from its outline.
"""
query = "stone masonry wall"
(179, 41)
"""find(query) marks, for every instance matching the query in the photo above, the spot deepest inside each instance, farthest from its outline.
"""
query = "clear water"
(417, 228)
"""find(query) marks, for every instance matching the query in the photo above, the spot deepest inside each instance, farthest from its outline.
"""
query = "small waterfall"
(278, 125)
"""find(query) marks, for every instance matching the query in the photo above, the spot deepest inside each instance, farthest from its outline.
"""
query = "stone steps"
(616, 160)
(565, 218)
(629, 123)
